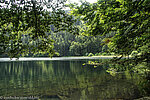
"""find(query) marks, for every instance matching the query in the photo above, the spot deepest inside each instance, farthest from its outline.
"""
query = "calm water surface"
(65, 80)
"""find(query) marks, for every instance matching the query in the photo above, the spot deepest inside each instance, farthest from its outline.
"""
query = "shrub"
(134, 53)
(91, 54)
(104, 53)
(96, 54)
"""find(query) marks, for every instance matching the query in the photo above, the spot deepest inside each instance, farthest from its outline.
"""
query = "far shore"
(56, 58)
(113, 56)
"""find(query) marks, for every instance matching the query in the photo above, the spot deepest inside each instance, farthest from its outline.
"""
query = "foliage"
(90, 54)
(67, 44)
(25, 25)
(125, 22)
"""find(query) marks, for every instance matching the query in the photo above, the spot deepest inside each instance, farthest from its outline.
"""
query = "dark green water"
(63, 80)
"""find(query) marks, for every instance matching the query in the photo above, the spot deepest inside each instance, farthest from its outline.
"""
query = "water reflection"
(65, 80)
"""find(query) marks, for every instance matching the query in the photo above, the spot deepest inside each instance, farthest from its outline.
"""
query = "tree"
(25, 25)
(67, 44)
(127, 21)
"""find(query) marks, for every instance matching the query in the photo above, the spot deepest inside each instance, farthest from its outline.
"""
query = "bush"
(104, 53)
(112, 53)
(100, 54)
(134, 53)
(96, 54)
(91, 54)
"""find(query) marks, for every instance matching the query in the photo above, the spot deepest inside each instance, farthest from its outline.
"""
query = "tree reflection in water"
(67, 80)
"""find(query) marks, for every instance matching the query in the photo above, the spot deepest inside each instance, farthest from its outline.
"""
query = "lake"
(67, 79)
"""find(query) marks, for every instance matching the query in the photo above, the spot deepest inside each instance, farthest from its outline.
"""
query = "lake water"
(65, 80)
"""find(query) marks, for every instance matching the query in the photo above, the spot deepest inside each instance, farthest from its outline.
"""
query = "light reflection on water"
(65, 79)
(53, 58)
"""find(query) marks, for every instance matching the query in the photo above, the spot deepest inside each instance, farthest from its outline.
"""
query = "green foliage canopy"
(25, 25)
(125, 22)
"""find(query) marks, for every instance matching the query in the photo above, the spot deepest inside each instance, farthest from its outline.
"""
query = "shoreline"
(55, 58)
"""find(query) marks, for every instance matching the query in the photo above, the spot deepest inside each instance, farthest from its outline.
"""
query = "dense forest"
(31, 28)
(67, 44)
(63, 43)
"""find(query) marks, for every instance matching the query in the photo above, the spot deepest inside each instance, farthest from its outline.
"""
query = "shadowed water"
(65, 80)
